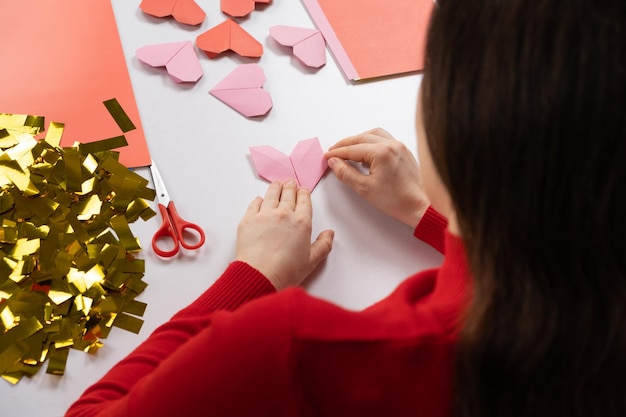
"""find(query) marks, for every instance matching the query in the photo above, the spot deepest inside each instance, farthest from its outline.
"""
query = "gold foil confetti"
(119, 115)
(68, 266)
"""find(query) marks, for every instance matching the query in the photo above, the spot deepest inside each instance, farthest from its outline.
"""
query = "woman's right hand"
(393, 184)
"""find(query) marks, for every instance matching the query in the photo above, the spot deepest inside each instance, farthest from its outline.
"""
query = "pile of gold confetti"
(68, 265)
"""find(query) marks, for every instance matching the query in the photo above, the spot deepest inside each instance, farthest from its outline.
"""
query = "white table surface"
(201, 146)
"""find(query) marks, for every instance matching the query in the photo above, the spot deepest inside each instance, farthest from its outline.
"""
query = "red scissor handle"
(181, 225)
(173, 227)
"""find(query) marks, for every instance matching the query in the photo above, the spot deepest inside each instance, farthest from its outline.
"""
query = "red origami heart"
(229, 35)
(240, 8)
(183, 11)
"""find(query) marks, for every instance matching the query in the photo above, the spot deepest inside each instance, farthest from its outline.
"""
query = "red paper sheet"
(62, 59)
(374, 38)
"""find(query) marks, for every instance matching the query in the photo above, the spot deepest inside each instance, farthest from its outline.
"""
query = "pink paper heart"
(308, 44)
(242, 90)
(306, 164)
(179, 58)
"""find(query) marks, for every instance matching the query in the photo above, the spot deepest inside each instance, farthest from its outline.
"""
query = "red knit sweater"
(243, 349)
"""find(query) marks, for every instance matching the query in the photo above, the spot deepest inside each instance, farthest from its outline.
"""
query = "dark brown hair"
(523, 106)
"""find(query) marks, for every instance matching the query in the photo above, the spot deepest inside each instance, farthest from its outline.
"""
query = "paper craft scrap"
(84, 65)
(373, 38)
(306, 164)
(242, 90)
(240, 8)
(308, 44)
(229, 35)
(179, 58)
(67, 253)
(183, 11)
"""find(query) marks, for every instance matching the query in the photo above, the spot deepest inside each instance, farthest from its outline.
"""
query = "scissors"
(173, 226)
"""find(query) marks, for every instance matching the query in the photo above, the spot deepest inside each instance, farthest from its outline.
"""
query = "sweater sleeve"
(431, 229)
(238, 284)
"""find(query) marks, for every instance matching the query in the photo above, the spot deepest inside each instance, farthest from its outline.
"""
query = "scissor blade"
(159, 186)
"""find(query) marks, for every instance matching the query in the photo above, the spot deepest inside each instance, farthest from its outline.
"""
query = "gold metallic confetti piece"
(73, 169)
(128, 322)
(139, 208)
(134, 307)
(11, 355)
(7, 319)
(87, 186)
(36, 122)
(90, 163)
(54, 134)
(12, 378)
(124, 234)
(63, 343)
(59, 297)
(119, 115)
(6, 139)
(136, 285)
(88, 207)
(103, 145)
(57, 359)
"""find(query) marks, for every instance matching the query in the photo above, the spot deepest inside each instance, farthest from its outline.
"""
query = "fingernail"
(290, 182)
(332, 162)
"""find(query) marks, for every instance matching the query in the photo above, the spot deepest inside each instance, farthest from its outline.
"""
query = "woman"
(522, 143)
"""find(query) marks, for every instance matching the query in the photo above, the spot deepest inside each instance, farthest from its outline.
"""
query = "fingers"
(321, 247)
(254, 206)
(272, 195)
(370, 136)
(303, 202)
(288, 195)
(361, 152)
(278, 194)
(345, 172)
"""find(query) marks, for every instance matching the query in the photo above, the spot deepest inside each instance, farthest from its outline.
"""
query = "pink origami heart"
(308, 44)
(179, 58)
(306, 164)
(183, 11)
(242, 90)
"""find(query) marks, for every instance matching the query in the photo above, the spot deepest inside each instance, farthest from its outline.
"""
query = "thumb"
(321, 247)
(345, 172)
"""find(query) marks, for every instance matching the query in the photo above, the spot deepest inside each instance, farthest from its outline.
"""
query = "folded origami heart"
(183, 11)
(240, 8)
(308, 44)
(179, 58)
(306, 164)
(242, 90)
(229, 35)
